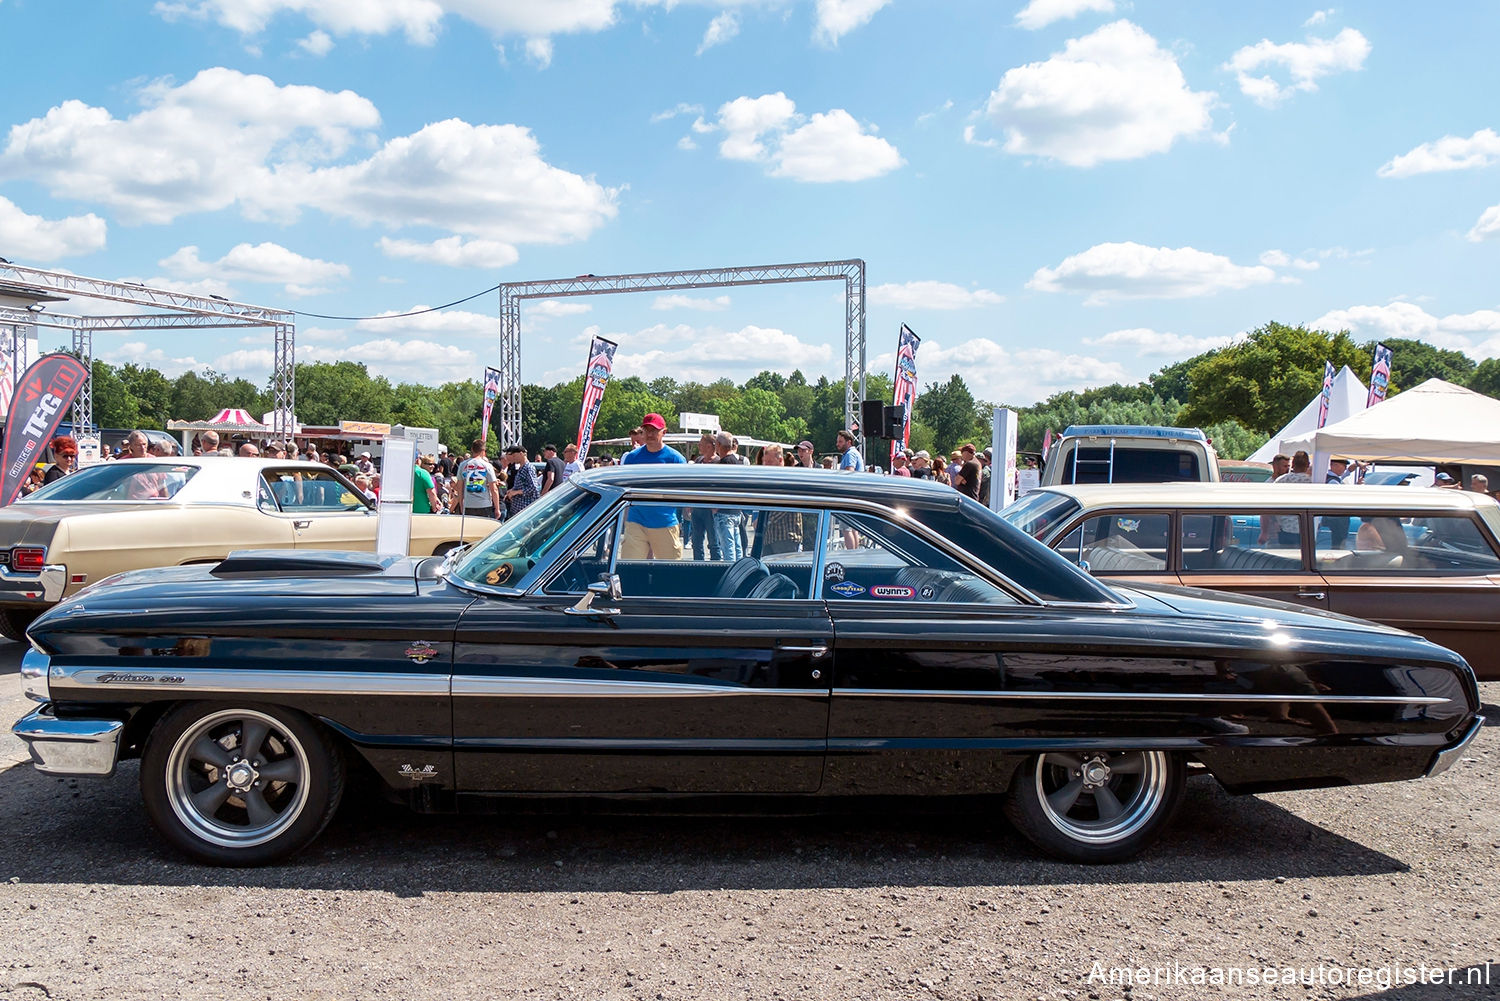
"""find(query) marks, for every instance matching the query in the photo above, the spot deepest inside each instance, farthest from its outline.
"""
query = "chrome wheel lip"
(210, 829)
(1143, 804)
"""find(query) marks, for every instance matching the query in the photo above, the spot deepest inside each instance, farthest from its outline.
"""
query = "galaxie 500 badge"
(421, 652)
(847, 589)
(118, 678)
(891, 591)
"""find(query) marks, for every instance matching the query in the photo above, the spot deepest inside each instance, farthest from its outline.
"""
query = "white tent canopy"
(1349, 396)
(1430, 423)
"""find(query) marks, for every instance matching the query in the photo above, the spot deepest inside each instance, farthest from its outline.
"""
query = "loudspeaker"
(895, 422)
(872, 417)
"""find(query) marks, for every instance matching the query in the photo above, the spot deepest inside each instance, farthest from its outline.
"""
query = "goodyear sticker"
(847, 589)
(891, 591)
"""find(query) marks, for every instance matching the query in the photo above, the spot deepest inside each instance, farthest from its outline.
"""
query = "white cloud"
(998, 374)
(932, 295)
(701, 303)
(262, 262)
(1318, 17)
(556, 307)
(1040, 13)
(1281, 259)
(1303, 63)
(1145, 341)
(32, 238)
(225, 139)
(969, 138)
(1487, 226)
(138, 353)
(319, 43)
(539, 51)
(1408, 320)
(411, 360)
(720, 30)
(201, 286)
(686, 143)
(707, 353)
(1112, 95)
(452, 251)
(1110, 271)
(456, 322)
(836, 18)
(418, 20)
(681, 109)
(1448, 153)
(830, 146)
(927, 116)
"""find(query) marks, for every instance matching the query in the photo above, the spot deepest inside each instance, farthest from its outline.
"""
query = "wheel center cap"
(1095, 773)
(241, 776)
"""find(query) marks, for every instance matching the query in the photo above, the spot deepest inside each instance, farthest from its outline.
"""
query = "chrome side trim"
(70, 746)
(1446, 759)
(907, 693)
(213, 681)
(585, 688)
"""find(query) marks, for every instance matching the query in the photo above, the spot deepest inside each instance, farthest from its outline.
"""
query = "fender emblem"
(418, 774)
(115, 678)
(421, 652)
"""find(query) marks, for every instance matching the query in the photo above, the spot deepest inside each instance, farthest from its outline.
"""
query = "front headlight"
(34, 668)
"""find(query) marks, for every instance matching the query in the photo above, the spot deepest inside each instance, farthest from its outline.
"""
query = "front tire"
(1095, 806)
(240, 784)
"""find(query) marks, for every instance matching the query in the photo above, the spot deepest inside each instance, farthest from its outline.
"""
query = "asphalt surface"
(392, 905)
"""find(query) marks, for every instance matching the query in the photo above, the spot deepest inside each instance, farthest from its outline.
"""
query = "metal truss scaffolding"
(178, 310)
(852, 273)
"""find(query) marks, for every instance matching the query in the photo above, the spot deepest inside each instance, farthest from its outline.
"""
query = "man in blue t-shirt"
(850, 461)
(652, 533)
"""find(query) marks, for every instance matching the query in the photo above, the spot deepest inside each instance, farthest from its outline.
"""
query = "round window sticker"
(927, 592)
(834, 572)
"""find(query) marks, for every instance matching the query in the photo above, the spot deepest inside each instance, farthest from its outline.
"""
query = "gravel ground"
(392, 905)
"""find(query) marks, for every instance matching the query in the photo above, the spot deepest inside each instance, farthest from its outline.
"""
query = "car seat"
(739, 579)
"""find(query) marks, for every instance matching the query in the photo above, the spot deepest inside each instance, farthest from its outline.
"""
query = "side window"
(667, 551)
(1431, 543)
(1128, 542)
(872, 560)
(310, 490)
(1241, 542)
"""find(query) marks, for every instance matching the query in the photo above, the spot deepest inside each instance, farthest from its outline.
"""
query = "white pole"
(1003, 459)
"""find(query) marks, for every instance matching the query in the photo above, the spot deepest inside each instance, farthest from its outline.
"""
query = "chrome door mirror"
(608, 588)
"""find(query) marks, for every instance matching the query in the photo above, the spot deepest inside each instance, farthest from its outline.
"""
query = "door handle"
(1315, 595)
(817, 650)
(302, 523)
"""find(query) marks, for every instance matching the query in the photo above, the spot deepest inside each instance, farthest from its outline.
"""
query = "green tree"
(949, 410)
(114, 406)
(1264, 380)
(151, 392)
(329, 392)
(771, 382)
(758, 413)
(1414, 362)
(1486, 378)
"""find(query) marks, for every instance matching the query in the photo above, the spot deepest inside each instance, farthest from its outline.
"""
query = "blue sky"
(1054, 194)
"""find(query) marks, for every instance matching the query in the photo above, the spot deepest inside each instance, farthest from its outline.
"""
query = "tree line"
(1239, 394)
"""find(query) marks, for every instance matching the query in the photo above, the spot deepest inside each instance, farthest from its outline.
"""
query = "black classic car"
(743, 634)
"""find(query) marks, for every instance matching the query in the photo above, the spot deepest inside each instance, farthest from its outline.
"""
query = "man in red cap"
(652, 532)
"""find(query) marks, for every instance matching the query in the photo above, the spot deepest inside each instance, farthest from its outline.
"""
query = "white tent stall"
(1349, 396)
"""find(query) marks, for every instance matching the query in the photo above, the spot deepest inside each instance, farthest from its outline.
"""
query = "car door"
(322, 511)
(1436, 574)
(702, 677)
(1260, 553)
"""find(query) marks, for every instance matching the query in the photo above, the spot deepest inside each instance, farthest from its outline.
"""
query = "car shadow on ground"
(95, 831)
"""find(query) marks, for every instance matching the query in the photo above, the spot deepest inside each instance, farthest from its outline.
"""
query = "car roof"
(1260, 495)
(790, 480)
(220, 479)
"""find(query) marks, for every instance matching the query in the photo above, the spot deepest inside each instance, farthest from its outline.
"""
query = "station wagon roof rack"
(1132, 431)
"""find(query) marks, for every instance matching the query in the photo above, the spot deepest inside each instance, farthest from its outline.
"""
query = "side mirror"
(608, 588)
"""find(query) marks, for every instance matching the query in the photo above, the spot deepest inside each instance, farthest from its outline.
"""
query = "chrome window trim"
(170, 682)
(908, 693)
(540, 571)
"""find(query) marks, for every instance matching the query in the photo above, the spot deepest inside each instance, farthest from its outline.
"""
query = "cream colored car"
(158, 512)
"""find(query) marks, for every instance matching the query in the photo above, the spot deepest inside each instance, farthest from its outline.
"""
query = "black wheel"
(13, 622)
(1095, 806)
(240, 785)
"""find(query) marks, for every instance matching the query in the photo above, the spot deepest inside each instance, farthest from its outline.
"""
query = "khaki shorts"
(642, 543)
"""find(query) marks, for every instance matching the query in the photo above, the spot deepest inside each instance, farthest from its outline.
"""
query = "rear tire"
(240, 784)
(14, 621)
(1095, 806)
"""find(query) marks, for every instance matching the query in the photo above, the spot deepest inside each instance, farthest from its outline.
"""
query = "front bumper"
(70, 746)
(1445, 759)
(44, 588)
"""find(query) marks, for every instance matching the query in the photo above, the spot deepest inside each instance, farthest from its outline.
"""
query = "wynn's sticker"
(891, 591)
(847, 589)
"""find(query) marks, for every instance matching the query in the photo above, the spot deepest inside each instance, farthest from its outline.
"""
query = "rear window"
(1100, 464)
(109, 481)
(1035, 513)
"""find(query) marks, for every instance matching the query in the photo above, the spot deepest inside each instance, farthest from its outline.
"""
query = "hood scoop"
(302, 563)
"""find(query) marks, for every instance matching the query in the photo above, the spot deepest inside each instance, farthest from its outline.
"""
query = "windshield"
(109, 481)
(1039, 511)
(520, 543)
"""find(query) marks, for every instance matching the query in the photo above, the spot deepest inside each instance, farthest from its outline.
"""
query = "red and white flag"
(595, 377)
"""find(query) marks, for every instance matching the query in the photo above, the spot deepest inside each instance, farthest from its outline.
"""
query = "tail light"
(28, 558)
